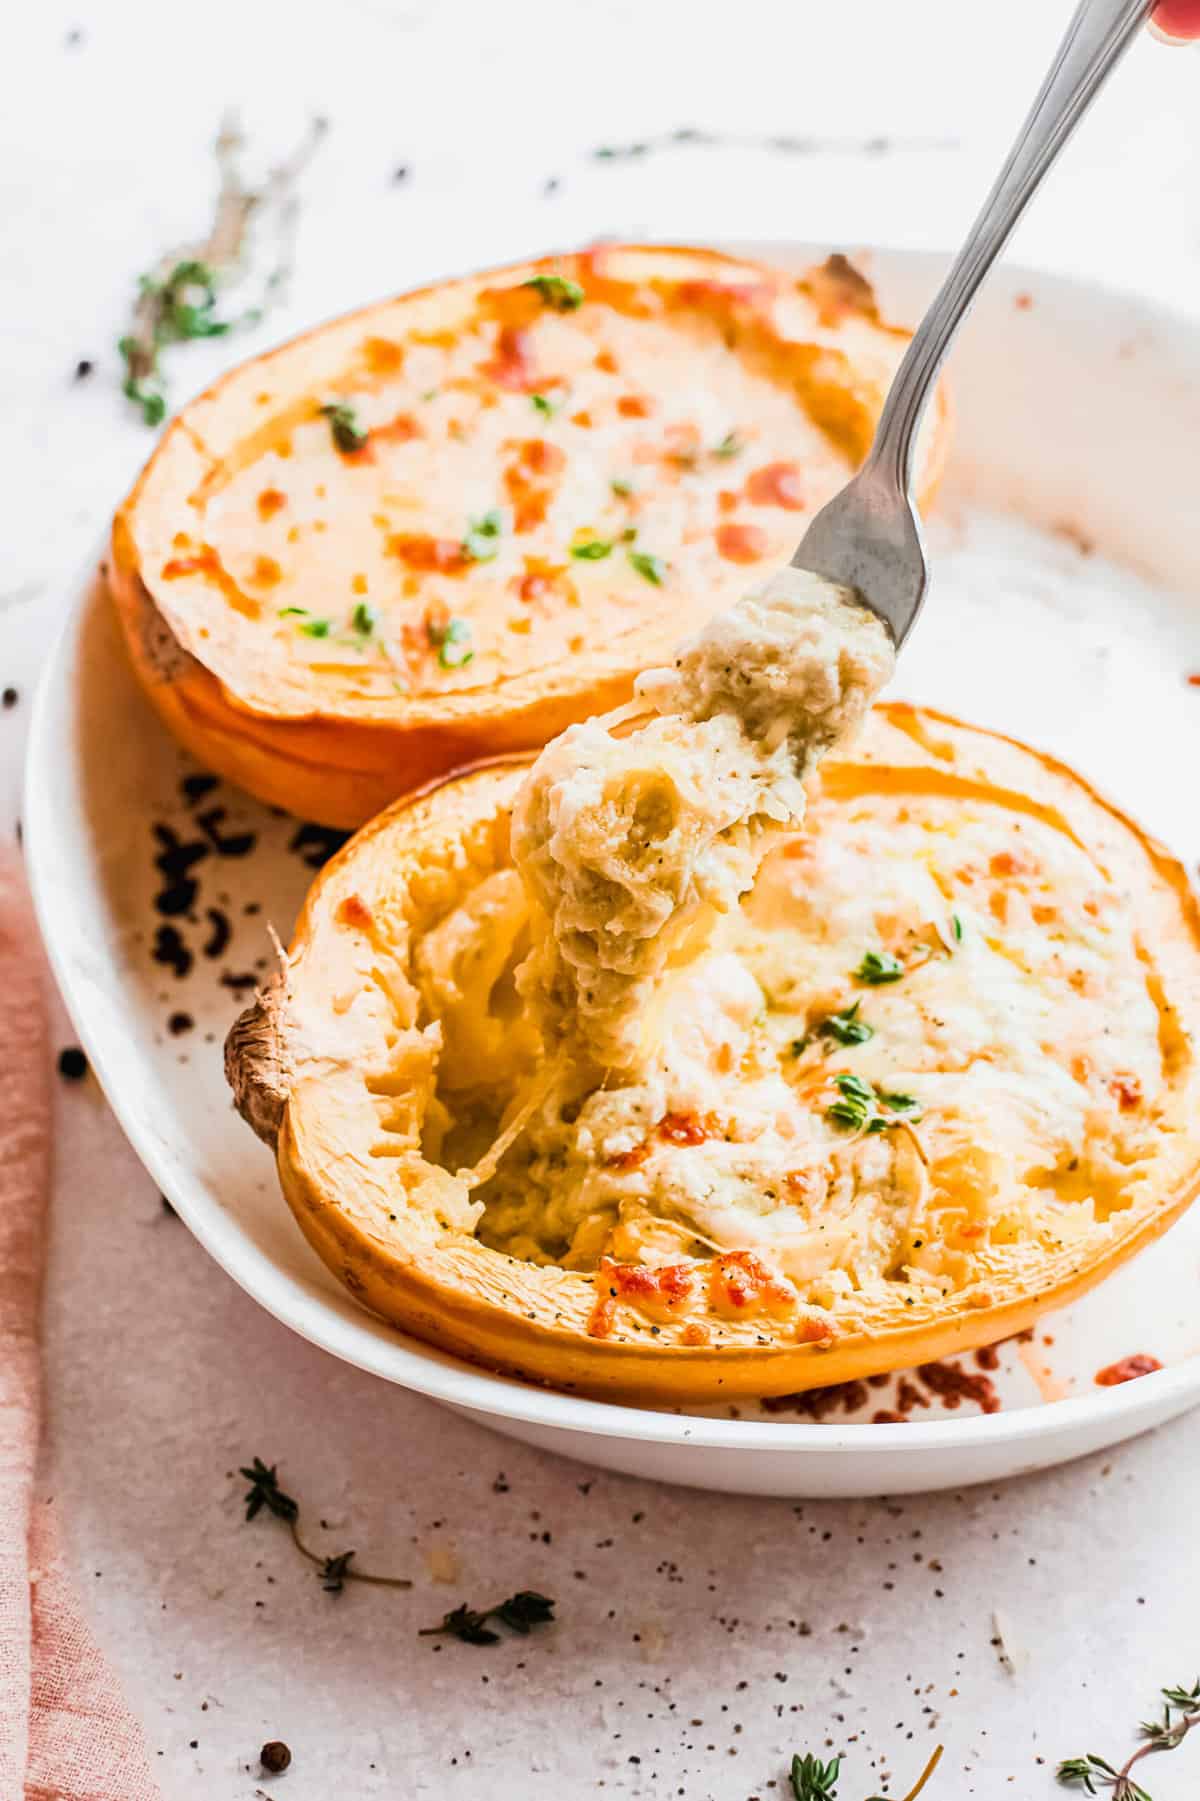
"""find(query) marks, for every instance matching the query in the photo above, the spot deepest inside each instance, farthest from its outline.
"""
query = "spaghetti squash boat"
(934, 1074)
(451, 524)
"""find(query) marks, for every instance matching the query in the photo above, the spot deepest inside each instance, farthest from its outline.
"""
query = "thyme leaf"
(813, 1780)
(265, 1496)
(1095, 1775)
(177, 300)
(878, 967)
(347, 430)
(592, 550)
(845, 1027)
(264, 1491)
(452, 642)
(864, 1108)
(653, 569)
(520, 1613)
(558, 291)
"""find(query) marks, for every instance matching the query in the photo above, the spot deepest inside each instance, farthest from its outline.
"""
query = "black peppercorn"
(275, 1757)
(72, 1064)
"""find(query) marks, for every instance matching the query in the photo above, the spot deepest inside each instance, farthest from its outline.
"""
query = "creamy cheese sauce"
(633, 846)
(532, 470)
(1017, 1059)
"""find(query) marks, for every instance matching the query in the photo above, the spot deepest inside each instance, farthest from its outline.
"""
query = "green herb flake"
(482, 541)
(878, 967)
(347, 431)
(862, 1108)
(453, 643)
(558, 291)
(652, 569)
(956, 928)
(142, 383)
(544, 404)
(730, 446)
(317, 628)
(846, 1027)
(293, 612)
(364, 619)
(593, 550)
(622, 487)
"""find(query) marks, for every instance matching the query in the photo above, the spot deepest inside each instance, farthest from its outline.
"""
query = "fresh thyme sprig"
(813, 1780)
(520, 1613)
(1094, 1775)
(265, 1496)
(177, 301)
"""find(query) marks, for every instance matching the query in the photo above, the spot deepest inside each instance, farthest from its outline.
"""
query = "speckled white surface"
(701, 1640)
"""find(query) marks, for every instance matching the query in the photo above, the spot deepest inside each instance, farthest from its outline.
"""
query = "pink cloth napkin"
(65, 1732)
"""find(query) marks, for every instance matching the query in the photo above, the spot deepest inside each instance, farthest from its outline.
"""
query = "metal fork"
(869, 537)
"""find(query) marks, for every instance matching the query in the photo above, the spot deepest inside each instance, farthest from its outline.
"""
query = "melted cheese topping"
(1021, 1042)
(633, 846)
(528, 466)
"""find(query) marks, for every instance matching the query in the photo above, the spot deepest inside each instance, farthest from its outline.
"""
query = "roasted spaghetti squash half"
(935, 1074)
(450, 524)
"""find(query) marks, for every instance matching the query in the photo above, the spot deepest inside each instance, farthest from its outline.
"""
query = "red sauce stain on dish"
(908, 1396)
(953, 1385)
(742, 543)
(776, 485)
(1023, 302)
(988, 1357)
(820, 1403)
(1194, 680)
(1128, 1369)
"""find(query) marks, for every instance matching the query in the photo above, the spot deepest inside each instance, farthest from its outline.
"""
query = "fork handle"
(1099, 32)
